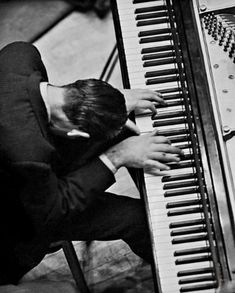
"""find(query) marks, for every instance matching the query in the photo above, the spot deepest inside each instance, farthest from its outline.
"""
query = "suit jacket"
(39, 189)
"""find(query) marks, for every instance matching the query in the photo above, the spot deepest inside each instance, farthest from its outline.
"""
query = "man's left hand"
(140, 100)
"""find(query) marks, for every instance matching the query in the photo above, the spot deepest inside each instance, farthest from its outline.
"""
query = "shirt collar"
(43, 91)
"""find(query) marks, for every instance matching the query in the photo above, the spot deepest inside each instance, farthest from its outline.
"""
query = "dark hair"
(95, 107)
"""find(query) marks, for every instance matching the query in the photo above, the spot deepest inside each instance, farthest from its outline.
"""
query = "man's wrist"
(109, 164)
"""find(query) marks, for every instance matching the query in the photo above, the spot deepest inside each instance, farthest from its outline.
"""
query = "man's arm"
(49, 200)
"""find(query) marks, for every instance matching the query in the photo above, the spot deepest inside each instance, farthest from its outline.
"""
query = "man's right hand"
(149, 151)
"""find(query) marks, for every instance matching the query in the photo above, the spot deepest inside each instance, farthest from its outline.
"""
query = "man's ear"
(78, 133)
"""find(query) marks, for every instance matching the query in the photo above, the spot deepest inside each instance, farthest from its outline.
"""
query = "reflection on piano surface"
(186, 51)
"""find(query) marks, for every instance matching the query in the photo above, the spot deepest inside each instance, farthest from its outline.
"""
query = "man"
(51, 191)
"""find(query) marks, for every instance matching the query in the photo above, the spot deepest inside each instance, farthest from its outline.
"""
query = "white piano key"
(131, 32)
(160, 216)
(144, 123)
(129, 16)
(158, 200)
(130, 25)
(134, 44)
(138, 82)
(172, 271)
(154, 87)
(136, 70)
(171, 249)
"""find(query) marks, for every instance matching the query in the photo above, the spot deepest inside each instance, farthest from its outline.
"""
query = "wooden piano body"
(185, 49)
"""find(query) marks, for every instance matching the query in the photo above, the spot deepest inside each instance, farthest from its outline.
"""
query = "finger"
(151, 107)
(153, 171)
(166, 148)
(154, 164)
(154, 132)
(153, 96)
(146, 105)
(164, 157)
(78, 133)
(161, 139)
(132, 126)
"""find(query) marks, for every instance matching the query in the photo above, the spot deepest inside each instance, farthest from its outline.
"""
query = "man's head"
(95, 107)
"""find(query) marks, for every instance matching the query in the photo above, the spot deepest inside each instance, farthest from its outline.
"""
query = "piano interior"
(186, 51)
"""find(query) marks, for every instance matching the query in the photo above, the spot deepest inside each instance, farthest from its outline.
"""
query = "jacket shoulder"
(21, 58)
(20, 47)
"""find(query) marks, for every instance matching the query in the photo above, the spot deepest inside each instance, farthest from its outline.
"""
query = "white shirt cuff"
(108, 163)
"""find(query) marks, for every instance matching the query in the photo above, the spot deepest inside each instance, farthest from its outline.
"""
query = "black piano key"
(158, 55)
(162, 80)
(155, 39)
(189, 251)
(141, 1)
(186, 157)
(196, 279)
(170, 90)
(198, 287)
(151, 15)
(192, 272)
(177, 139)
(173, 132)
(174, 121)
(154, 32)
(157, 49)
(184, 191)
(187, 223)
(184, 146)
(183, 203)
(150, 9)
(187, 231)
(158, 62)
(152, 21)
(180, 165)
(180, 212)
(188, 239)
(170, 178)
(171, 104)
(194, 259)
(180, 184)
(169, 114)
(161, 72)
(172, 97)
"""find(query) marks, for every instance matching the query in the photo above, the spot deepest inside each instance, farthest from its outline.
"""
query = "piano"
(185, 49)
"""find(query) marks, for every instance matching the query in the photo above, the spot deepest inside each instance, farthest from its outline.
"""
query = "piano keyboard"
(176, 202)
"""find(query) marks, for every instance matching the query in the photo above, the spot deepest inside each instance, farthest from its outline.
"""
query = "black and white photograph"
(117, 146)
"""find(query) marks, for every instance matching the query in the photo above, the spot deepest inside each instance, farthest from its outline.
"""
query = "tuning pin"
(221, 41)
(215, 37)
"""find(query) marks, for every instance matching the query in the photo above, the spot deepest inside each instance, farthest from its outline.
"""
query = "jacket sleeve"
(49, 200)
